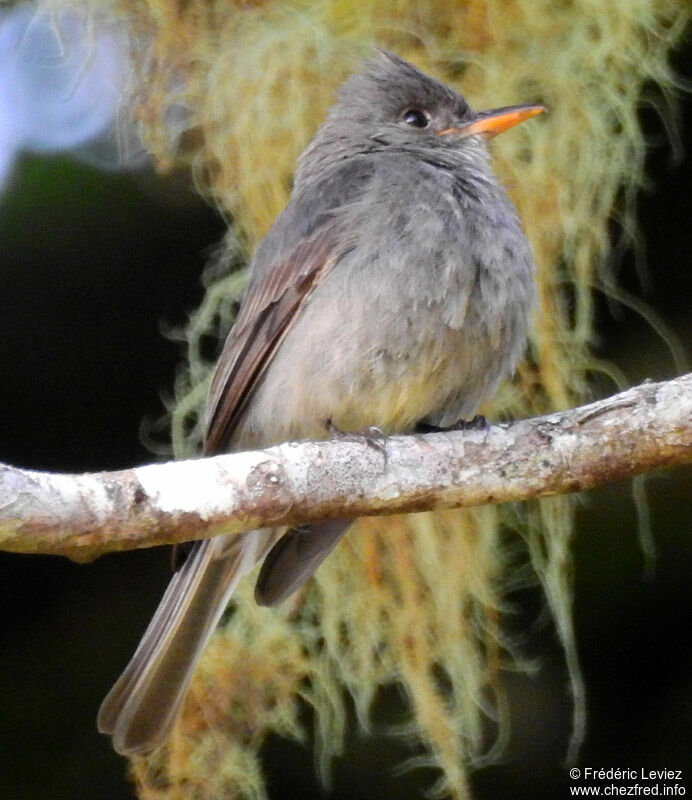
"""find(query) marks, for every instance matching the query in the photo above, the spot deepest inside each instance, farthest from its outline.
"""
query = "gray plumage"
(394, 288)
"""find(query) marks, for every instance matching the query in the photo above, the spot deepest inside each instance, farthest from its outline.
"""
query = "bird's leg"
(478, 423)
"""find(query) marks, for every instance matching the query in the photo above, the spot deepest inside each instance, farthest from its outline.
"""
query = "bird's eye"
(416, 118)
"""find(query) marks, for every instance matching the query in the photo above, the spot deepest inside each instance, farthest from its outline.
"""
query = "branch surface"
(83, 516)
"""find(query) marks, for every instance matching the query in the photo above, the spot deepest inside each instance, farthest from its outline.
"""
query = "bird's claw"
(372, 436)
(478, 423)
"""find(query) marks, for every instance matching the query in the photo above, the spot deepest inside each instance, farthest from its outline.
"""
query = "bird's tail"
(142, 706)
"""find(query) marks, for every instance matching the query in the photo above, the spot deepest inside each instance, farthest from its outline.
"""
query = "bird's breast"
(421, 318)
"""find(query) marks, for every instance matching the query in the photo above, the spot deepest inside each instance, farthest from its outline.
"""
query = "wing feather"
(265, 317)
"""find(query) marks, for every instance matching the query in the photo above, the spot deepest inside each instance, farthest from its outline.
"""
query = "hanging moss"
(236, 89)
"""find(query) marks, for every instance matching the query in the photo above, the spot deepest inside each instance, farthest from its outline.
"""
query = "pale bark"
(82, 516)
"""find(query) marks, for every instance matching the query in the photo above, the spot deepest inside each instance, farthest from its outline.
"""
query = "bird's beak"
(490, 123)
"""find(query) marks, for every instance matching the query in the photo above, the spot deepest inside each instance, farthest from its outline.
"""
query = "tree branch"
(82, 516)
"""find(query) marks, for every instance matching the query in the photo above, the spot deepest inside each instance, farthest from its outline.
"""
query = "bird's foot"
(478, 423)
(372, 436)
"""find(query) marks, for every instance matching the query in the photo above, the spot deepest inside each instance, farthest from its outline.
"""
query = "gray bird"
(393, 289)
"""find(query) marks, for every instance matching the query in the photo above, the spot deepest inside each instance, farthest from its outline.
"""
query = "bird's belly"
(344, 374)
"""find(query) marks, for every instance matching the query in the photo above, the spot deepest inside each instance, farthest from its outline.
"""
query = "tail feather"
(142, 706)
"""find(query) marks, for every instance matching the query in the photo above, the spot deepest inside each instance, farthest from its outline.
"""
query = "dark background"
(92, 266)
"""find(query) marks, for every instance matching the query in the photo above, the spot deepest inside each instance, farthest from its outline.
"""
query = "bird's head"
(390, 104)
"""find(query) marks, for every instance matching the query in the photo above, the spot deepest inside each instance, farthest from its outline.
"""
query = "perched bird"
(394, 289)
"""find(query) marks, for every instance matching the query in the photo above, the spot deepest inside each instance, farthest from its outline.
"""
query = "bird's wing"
(304, 243)
(268, 309)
